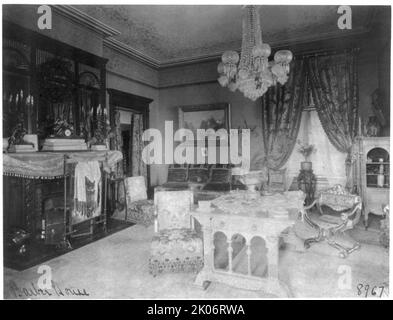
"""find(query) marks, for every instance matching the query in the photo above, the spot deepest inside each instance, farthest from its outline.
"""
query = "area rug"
(116, 267)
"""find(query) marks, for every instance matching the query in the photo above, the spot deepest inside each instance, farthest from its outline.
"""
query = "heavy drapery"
(282, 107)
(333, 82)
(137, 166)
(117, 144)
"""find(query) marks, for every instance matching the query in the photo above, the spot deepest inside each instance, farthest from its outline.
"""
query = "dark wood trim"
(58, 48)
(128, 100)
(76, 98)
(34, 87)
(36, 41)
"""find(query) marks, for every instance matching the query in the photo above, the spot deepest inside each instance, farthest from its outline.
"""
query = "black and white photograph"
(195, 151)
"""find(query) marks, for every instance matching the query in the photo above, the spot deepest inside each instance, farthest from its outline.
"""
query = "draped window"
(333, 82)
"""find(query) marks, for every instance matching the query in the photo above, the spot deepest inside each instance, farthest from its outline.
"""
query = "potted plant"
(306, 150)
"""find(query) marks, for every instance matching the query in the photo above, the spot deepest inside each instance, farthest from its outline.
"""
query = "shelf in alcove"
(375, 163)
(374, 186)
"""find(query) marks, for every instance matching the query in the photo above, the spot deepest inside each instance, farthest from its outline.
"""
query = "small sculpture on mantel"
(16, 142)
(101, 129)
(373, 127)
(61, 128)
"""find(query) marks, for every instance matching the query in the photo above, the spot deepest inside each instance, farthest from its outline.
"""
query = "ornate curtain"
(334, 85)
(116, 143)
(137, 166)
(282, 107)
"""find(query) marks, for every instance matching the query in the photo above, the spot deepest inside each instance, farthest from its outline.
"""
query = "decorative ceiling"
(172, 33)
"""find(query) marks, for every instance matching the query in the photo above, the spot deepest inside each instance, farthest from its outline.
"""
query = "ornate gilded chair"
(139, 209)
(385, 227)
(330, 227)
(176, 246)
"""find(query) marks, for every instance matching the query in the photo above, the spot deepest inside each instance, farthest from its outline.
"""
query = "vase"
(306, 165)
(252, 180)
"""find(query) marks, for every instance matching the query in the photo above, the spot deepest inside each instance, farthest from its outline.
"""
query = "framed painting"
(208, 116)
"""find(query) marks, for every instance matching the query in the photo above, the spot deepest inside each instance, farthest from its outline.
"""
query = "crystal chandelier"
(254, 74)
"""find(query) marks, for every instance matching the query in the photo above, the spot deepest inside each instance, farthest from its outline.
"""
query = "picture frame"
(207, 116)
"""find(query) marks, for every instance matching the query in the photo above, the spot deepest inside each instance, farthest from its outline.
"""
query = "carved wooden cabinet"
(374, 168)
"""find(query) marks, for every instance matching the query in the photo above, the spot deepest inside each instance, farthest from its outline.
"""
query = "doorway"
(130, 117)
(131, 128)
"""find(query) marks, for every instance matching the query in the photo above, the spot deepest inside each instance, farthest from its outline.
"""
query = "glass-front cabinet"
(374, 159)
(377, 168)
(49, 86)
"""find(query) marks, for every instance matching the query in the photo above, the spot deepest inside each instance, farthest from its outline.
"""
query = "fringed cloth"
(36, 166)
(50, 165)
(87, 190)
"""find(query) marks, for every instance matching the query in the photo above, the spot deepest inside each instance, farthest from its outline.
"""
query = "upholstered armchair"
(139, 209)
(331, 227)
(176, 246)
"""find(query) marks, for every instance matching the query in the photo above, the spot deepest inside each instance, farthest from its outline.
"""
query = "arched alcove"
(220, 251)
(239, 254)
(378, 168)
(89, 79)
(258, 259)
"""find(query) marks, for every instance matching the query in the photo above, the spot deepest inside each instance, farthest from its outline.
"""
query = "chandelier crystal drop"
(252, 73)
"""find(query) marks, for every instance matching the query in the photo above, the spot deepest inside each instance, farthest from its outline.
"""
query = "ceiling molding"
(275, 45)
(156, 64)
(85, 20)
(131, 52)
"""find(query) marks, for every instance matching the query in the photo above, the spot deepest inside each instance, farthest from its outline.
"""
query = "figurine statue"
(373, 127)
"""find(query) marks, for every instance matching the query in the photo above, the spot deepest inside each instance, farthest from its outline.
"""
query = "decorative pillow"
(220, 175)
(135, 189)
(219, 187)
(173, 208)
(177, 175)
(198, 175)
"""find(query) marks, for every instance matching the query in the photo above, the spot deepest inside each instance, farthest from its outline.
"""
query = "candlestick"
(28, 105)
